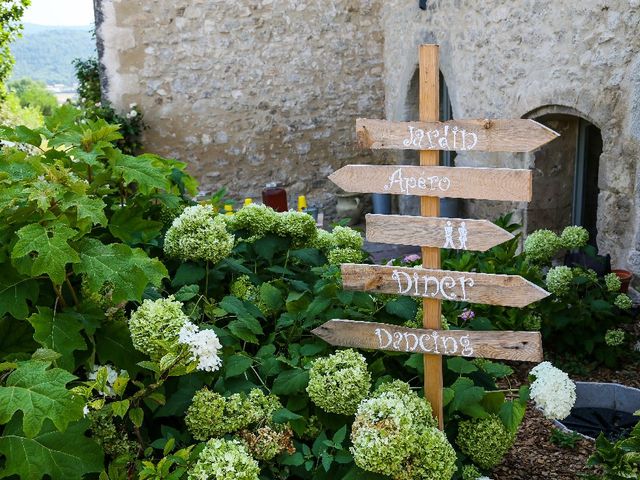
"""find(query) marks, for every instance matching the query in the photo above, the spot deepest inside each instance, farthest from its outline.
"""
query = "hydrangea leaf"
(67, 455)
(15, 292)
(290, 381)
(128, 225)
(87, 209)
(59, 332)
(128, 270)
(51, 247)
(465, 394)
(142, 171)
(113, 345)
(40, 393)
(511, 413)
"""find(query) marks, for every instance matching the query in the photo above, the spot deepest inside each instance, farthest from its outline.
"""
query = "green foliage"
(13, 114)
(564, 439)
(46, 53)
(11, 12)
(33, 93)
(618, 460)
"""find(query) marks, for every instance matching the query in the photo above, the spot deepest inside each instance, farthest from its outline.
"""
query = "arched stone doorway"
(565, 181)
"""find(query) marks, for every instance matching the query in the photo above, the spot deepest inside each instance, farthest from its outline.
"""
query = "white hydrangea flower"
(203, 344)
(553, 391)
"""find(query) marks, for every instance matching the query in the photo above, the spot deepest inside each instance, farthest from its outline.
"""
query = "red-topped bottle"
(275, 197)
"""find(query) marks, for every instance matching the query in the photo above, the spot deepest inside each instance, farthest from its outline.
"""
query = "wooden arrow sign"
(455, 233)
(522, 346)
(506, 290)
(453, 182)
(514, 135)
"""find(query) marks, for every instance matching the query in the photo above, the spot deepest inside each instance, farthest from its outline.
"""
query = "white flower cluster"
(204, 346)
(552, 391)
(132, 111)
(112, 376)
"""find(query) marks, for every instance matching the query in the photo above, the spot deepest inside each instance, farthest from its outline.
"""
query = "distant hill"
(45, 53)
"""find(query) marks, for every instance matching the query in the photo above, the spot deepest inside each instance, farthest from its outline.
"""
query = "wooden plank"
(504, 345)
(452, 182)
(454, 233)
(429, 110)
(511, 135)
(490, 289)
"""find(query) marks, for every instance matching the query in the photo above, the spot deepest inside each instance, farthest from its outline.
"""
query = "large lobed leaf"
(49, 248)
(67, 455)
(15, 293)
(40, 393)
(128, 270)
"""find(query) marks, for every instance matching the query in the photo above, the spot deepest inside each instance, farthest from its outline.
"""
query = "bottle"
(275, 197)
(228, 209)
(302, 203)
(247, 202)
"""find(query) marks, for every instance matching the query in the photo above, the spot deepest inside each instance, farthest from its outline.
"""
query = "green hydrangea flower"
(199, 234)
(559, 280)
(339, 382)
(485, 440)
(612, 282)
(212, 415)
(242, 288)
(542, 245)
(623, 302)
(614, 337)
(338, 256)
(345, 237)
(574, 237)
(312, 429)
(299, 226)
(432, 458)
(155, 326)
(325, 241)
(394, 431)
(224, 460)
(470, 472)
(585, 272)
(114, 442)
(258, 220)
(532, 322)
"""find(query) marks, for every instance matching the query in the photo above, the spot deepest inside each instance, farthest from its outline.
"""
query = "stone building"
(249, 92)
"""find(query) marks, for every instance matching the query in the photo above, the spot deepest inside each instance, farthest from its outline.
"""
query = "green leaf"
(236, 365)
(188, 274)
(113, 345)
(493, 401)
(284, 415)
(511, 413)
(120, 408)
(15, 293)
(271, 296)
(127, 270)
(447, 396)
(16, 339)
(290, 381)
(26, 135)
(460, 365)
(60, 332)
(465, 393)
(51, 252)
(141, 170)
(128, 225)
(87, 208)
(40, 394)
(294, 460)
(310, 256)
(59, 456)
(402, 307)
(187, 292)
(497, 370)
(136, 415)
(340, 435)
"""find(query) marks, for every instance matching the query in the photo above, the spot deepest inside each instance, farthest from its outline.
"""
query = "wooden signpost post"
(431, 182)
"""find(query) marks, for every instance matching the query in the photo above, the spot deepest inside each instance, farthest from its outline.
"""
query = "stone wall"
(248, 92)
(513, 59)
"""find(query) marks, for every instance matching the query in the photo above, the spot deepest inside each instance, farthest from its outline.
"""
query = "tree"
(11, 12)
(34, 94)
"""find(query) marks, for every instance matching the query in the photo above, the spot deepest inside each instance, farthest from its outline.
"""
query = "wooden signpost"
(455, 233)
(517, 135)
(431, 182)
(451, 182)
(489, 289)
(521, 346)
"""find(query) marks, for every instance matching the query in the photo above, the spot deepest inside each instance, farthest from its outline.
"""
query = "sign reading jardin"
(516, 135)
(453, 182)
(454, 233)
(432, 182)
(521, 346)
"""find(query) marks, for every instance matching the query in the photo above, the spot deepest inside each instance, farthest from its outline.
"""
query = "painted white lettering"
(423, 345)
(464, 281)
(448, 283)
(454, 349)
(397, 338)
(379, 332)
(396, 276)
(467, 351)
(415, 341)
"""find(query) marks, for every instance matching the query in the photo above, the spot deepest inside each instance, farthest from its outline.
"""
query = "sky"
(60, 12)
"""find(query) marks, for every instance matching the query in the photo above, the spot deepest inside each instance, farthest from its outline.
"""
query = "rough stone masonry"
(249, 92)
